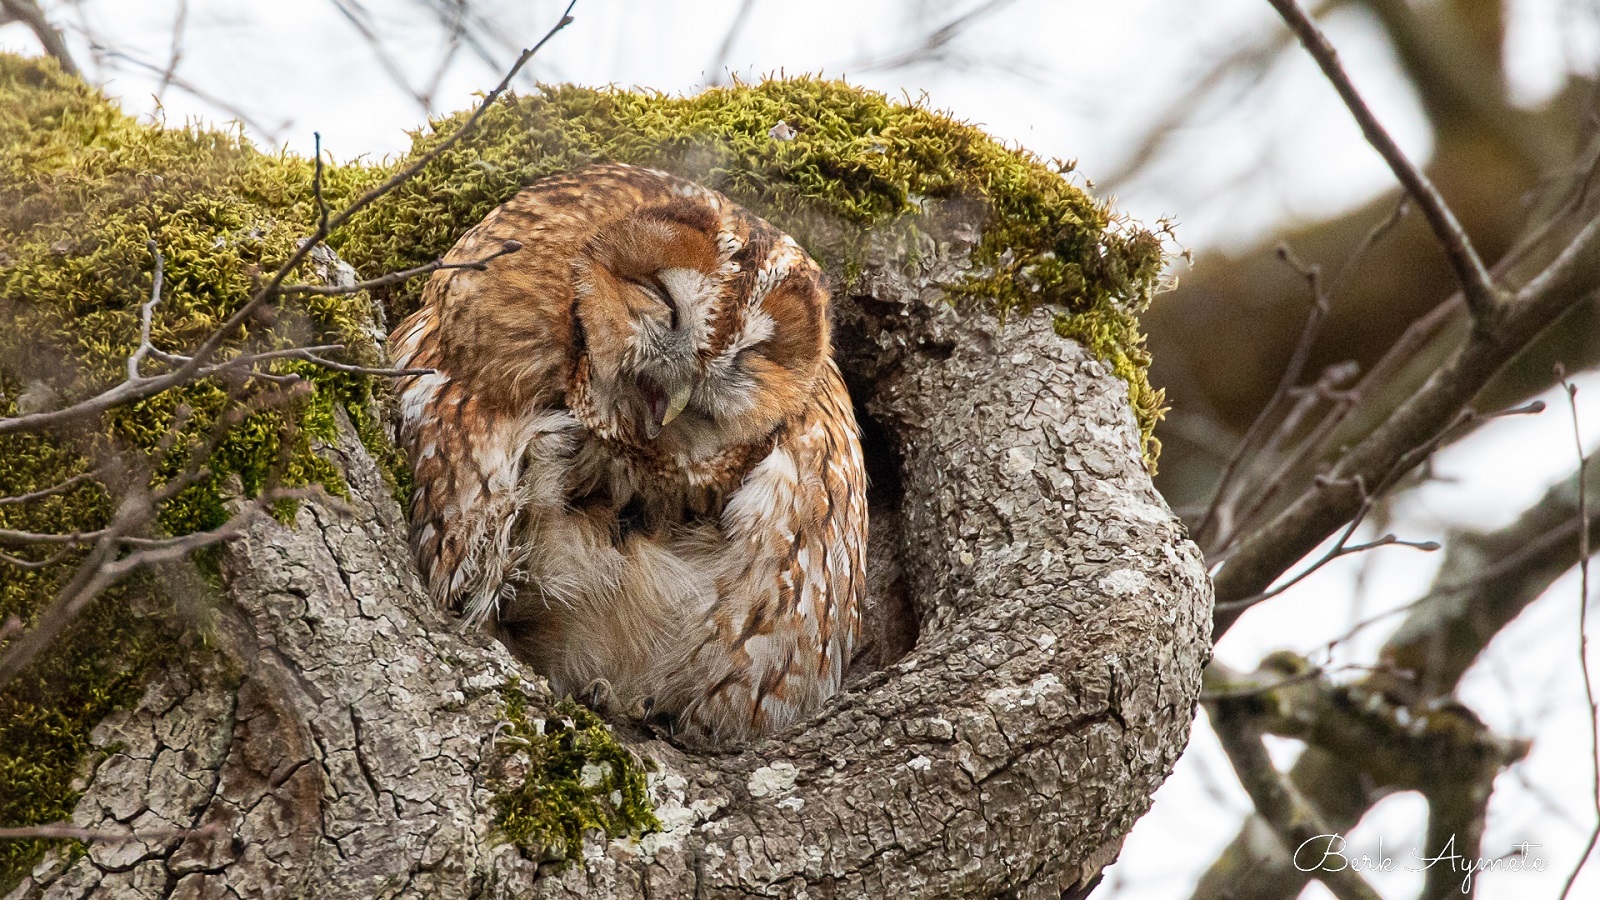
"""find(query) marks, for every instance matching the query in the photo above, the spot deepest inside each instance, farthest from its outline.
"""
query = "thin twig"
(147, 312)
(393, 278)
(936, 41)
(1341, 547)
(1339, 550)
(316, 185)
(51, 491)
(1476, 284)
(102, 569)
(35, 564)
(719, 61)
(457, 30)
(180, 24)
(11, 538)
(1221, 520)
(1583, 629)
(1371, 239)
(357, 17)
(404, 175)
(1320, 304)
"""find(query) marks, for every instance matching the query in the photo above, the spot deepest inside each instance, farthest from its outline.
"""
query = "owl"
(634, 457)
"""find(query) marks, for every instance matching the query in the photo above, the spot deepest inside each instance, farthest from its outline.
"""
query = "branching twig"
(123, 546)
(51, 491)
(1221, 520)
(180, 24)
(1320, 304)
(103, 568)
(1341, 548)
(393, 278)
(404, 175)
(1476, 284)
(1231, 608)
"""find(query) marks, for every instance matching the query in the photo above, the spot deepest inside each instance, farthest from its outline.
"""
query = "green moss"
(578, 779)
(84, 187)
(860, 166)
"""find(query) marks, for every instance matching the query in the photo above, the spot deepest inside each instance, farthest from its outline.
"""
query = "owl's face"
(698, 335)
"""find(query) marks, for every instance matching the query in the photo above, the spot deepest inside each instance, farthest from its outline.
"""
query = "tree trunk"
(349, 741)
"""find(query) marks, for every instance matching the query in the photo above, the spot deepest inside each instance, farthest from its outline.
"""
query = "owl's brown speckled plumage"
(635, 457)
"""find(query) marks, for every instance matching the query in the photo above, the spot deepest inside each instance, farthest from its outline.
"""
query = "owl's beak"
(664, 405)
(675, 405)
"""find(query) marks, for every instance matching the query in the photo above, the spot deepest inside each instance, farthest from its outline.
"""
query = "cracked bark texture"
(341, 742)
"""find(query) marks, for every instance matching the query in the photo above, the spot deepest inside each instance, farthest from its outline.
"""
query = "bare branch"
(1486, 580)
(1229, 609)
(1222, 520)
(1320, 304)
(1407, 435)
(1481, 294)
(34, 564)
(12, 538)
(1339, 550)
(1296, 822)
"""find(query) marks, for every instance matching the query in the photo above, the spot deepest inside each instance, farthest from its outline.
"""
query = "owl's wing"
(781, 632)
(476, 463)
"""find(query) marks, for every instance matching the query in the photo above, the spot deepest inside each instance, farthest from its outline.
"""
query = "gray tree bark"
(343, 742)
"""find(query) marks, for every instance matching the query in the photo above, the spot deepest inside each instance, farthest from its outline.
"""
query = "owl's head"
(701, 326)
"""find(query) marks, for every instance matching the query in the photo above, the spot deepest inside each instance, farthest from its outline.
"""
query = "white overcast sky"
(1065, 78)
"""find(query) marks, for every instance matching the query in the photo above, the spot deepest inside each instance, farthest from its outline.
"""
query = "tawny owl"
(635, 457)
